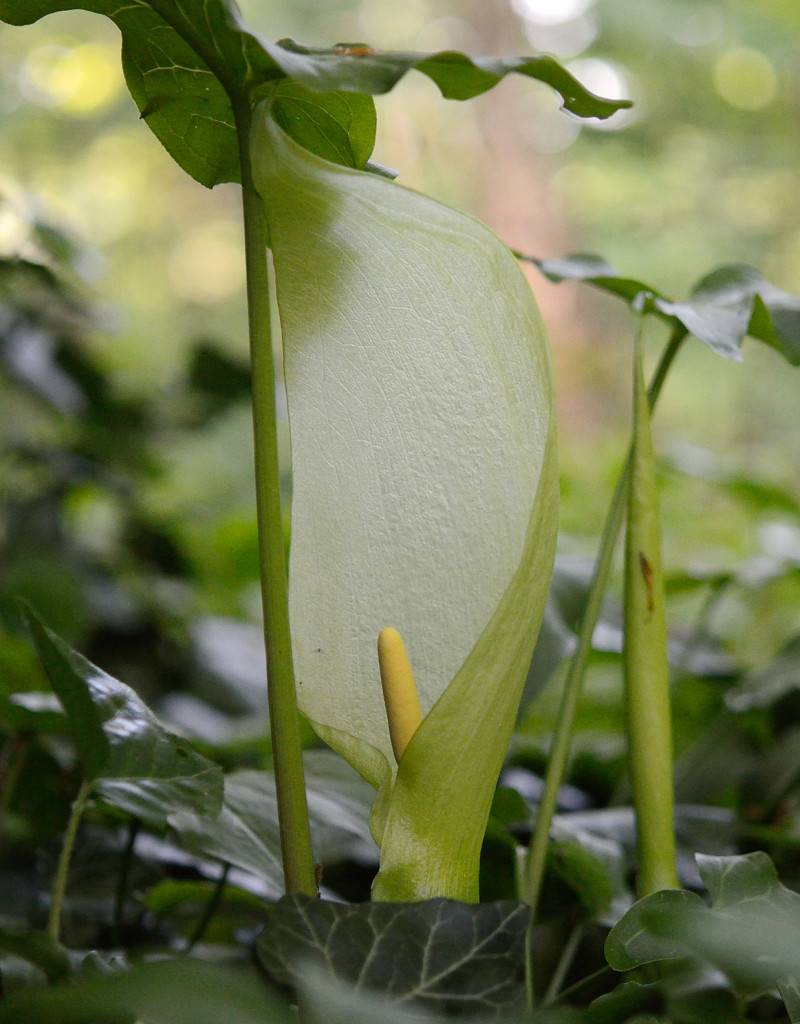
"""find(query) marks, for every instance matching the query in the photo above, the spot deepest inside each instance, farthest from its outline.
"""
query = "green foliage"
(134, 763)
(750, 931)
(191, 67)
(725, 306)
(245, 832)
(439, 954)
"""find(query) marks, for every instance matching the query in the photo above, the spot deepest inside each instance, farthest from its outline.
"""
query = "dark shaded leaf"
(66, 673)
(245, 833)
(37, 949)
(624, 1001)
(725, 306)
(162, 993)
(594, 867)
(442, 955)
(135, 764)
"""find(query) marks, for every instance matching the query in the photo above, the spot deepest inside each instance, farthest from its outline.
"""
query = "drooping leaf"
(245, 833)
(726, 305)
(361, 68)
(183, 992)
(647, 702)
(751, 931)
(440, 954)
(419, 394)
(134, 763)
(192, 65)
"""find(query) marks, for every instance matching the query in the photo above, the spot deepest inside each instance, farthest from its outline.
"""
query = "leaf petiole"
(65, 857)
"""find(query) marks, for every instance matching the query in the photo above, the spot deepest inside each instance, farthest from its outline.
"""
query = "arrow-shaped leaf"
(134, 763)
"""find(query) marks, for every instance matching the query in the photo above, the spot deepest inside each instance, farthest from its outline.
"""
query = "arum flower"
(424, 494)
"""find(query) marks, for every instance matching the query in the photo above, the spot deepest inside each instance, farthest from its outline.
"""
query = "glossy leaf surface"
(419, 393)
(245, 833)
(133, 761)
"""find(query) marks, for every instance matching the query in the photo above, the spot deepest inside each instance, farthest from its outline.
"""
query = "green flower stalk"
(647, 701)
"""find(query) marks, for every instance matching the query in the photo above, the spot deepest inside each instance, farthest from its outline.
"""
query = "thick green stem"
(62, 871)
(565, 722)
(298, 861)
(646, 666)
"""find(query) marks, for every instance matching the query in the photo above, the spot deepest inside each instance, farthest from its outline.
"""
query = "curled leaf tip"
(403, 709)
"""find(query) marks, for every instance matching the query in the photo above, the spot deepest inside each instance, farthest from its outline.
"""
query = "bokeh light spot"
(79, 80)
(745, 79)
(206, 265)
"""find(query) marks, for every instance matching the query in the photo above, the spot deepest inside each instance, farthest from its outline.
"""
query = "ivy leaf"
(134, 763)
(190, 65)
(440, 954)
(725, 306)
(751, 931)
(406, 511)
(245, 833)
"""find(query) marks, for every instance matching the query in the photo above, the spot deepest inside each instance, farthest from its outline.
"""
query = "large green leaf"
(440, 954)
(245, 833)
(190, 64)
(419, 393)
(751, 931)
(134, 763)
(726, 305)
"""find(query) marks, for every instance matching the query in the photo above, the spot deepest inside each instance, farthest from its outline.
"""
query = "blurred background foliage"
(126, 498)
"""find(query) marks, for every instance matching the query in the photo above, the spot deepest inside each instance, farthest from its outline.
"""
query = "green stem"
(565, 722)
(62, 871)
(645, 662)
(298, 862)
(564, 963)
(210, 909)
(134, 825)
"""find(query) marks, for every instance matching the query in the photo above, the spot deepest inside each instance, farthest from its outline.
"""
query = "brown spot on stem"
(647, 573)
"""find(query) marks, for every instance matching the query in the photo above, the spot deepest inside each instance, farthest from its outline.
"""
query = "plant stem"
(298, 861)
(565, 722)
(62, 870)
(210, 909)
(122, 882)
(645, 663)
(564, 963)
